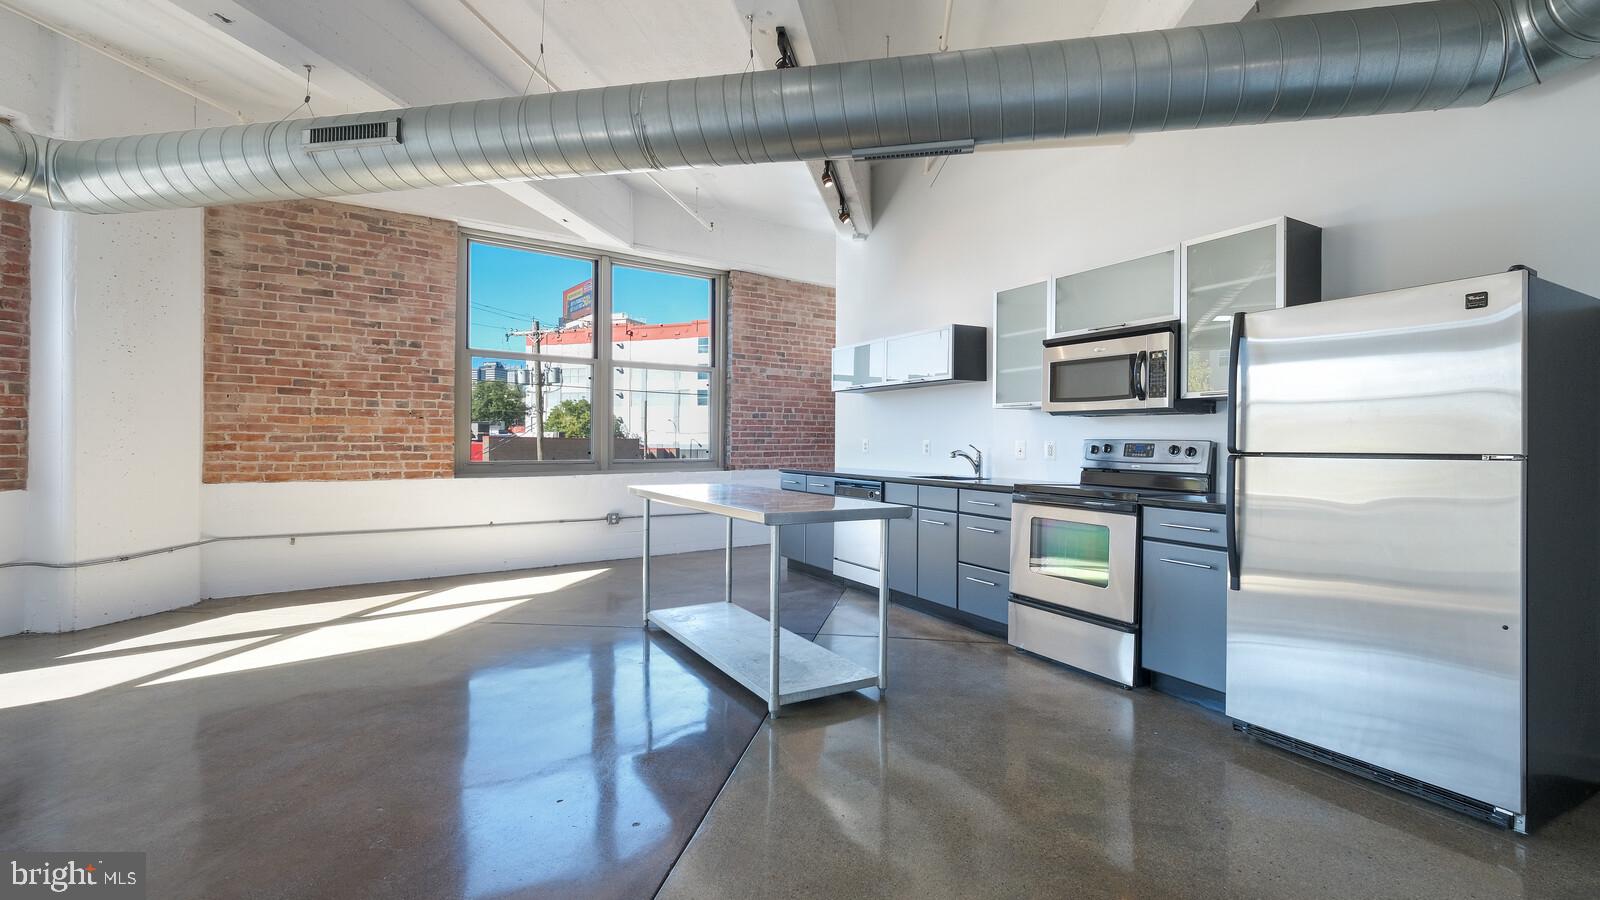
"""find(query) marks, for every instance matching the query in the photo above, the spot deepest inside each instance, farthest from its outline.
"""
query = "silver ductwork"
(1421, 56)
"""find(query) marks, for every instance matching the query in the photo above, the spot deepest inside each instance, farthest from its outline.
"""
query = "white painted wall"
(115, 383)
(1403, 200)
(236, 568)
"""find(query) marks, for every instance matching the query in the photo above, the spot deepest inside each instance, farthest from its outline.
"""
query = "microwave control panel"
(1157, 378)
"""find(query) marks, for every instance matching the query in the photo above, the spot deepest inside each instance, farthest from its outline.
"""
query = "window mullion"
(601, 417)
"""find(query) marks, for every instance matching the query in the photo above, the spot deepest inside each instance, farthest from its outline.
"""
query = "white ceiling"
(247, 57)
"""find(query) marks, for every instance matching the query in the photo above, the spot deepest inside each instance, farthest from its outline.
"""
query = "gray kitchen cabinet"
(983, 541)
(1185, 526)
(792, 538)
(903, 555)
(819, 484)
(936, 498)
(1263, 266)
(903, 494)
(983, 592)
(819, 545)
(986, 503)
(1185, 614)
(936, 556)
(792, 542)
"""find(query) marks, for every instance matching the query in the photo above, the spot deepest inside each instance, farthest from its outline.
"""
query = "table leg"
(644, 564)
(772, 615)
(883, 604)
(727, 566)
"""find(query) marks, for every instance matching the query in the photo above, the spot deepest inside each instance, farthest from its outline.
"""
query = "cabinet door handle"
(1181, 562)
(932, 522)
(981, 581)
(982, 530)
(819, 484)
(1187, 527)
(982, 503)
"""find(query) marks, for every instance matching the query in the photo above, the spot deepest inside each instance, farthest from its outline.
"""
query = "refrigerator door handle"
(1231, 522)
(1235, 401)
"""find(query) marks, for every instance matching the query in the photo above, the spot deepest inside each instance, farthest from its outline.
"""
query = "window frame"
(602, 397)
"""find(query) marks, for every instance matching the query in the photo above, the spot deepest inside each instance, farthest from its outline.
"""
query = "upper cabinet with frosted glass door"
(1138, 291)
(1263, 266)
(1019, 330)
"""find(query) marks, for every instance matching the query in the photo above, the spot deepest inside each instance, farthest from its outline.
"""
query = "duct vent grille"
(913, 151)
(353, 134)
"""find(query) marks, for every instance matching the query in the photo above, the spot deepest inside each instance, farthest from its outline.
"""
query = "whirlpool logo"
(81, 876)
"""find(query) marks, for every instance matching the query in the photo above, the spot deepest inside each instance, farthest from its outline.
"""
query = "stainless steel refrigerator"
(1414, 478)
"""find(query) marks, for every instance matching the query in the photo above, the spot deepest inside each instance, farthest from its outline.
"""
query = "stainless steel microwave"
(1123, 373)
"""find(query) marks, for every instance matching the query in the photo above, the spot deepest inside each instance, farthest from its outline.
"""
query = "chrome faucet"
(975, 458)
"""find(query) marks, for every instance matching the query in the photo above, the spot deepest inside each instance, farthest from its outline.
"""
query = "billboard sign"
(578, 301)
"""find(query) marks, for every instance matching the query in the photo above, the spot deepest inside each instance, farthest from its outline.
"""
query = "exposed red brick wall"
(780, 398)
(15, 297)
(329, 343)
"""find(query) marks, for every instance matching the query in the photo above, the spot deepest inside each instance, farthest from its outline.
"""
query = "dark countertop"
(1212, 503)
(999, 485)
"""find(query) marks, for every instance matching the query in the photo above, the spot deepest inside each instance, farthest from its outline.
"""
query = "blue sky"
(509, 287)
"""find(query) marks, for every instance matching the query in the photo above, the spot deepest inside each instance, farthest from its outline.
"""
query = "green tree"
(499, 403)
(573, 418)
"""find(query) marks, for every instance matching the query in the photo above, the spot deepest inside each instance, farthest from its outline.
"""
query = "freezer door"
(1427, 370)
(1379, 614)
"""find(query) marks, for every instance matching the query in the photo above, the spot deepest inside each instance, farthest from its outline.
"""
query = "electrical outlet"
(864, 445)
(1021, 450)
(1049, 449)
(927, 447)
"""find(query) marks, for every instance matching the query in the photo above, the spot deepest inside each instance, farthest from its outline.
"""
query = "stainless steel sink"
(955, 477)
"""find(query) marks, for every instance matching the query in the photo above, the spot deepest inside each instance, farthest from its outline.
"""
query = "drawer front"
(1186, 526)
(816, 484)
(936, 497)
(894, 492)
(986, 503)
(982, 592)
(936, 556)
(1185, 624)
(985, 542)
(791, 482)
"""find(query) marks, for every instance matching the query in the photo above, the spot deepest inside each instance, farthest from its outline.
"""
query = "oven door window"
(1085, 380)
(1075, 551)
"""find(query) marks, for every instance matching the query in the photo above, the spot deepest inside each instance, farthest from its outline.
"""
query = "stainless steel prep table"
(737, 641)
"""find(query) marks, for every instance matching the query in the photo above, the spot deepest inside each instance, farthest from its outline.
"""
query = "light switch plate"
(1049, 449)
(1021, 450)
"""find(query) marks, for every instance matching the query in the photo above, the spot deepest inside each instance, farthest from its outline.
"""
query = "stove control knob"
(1192, 452)
(1094, 448)
(1173, 450)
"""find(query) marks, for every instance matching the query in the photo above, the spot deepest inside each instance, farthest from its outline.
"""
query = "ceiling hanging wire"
(305, 102)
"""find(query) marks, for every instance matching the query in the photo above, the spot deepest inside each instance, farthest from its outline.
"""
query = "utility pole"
(537, 334)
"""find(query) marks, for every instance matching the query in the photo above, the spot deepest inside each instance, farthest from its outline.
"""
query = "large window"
(557, 342)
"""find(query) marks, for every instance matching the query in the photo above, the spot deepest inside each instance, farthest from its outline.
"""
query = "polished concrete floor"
(518, 735)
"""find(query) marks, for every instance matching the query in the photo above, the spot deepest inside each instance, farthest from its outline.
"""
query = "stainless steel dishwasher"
(855, 544)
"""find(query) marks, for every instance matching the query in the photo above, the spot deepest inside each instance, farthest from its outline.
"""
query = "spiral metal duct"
(1389, 59)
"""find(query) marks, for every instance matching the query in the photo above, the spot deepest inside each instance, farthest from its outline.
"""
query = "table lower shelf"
(738, 642)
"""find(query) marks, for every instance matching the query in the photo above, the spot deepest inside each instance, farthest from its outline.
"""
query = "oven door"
(1109, 375)
(1080, 559)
